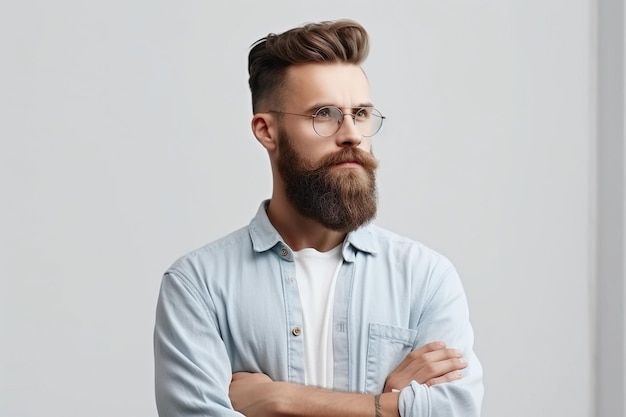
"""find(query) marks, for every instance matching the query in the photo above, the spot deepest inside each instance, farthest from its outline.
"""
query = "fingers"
(450, 376)
(437, 355)
(429, 347)
(417, 353)
(431, 364)
(439, 369)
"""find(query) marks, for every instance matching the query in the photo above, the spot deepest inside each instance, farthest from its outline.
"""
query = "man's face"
(329, 179)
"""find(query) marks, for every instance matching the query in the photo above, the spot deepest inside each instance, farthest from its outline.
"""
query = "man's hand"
(431, 364)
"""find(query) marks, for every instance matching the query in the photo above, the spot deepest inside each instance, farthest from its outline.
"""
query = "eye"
(324, 113)
(363, 113)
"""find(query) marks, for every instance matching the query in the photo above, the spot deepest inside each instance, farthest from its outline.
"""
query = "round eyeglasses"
(327, 120)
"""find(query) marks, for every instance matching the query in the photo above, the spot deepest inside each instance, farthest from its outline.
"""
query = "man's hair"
(344, 41)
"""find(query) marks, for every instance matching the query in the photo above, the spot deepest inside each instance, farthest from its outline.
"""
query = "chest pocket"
(387, 346)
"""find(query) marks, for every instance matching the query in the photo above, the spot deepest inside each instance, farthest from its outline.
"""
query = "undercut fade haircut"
(339, 41)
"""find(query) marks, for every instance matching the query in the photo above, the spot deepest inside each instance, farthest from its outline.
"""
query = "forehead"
(314, 85)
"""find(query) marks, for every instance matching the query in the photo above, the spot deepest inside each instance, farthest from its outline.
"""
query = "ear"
(265, 130)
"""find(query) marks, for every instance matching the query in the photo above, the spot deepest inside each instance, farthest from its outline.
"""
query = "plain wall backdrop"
(125, 142)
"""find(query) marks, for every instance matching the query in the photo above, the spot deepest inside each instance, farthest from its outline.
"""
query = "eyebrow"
(312, 109)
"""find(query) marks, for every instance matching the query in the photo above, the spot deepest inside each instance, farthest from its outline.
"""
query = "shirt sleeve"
(192, 367)
(446, 318)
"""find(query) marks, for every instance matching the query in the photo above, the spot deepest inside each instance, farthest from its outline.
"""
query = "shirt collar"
(360, 239)
(264, 236)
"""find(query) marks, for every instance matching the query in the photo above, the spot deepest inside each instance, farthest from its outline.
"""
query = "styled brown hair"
(324, 42)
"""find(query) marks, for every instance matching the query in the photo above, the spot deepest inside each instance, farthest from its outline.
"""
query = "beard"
(340, 199)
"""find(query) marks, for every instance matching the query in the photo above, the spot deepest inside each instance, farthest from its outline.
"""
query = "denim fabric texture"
(233, 305)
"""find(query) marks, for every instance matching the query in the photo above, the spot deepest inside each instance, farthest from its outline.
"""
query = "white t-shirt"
(316, 273)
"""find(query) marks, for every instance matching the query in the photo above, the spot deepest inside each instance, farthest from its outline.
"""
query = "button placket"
(293, 311)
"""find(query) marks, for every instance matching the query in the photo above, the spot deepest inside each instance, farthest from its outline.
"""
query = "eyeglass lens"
(328, 120)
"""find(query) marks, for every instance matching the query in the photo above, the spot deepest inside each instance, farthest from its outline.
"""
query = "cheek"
(314, 147)
(310, 153)
(315, 155)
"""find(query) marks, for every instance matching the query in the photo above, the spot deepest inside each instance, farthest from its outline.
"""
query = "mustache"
(365, 159)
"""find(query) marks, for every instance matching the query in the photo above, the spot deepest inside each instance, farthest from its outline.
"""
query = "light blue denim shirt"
(233, 305)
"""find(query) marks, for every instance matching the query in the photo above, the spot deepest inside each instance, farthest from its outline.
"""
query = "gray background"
(125, 143)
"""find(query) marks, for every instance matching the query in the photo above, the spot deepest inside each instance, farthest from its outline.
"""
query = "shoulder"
(213, 254)
(391, 244)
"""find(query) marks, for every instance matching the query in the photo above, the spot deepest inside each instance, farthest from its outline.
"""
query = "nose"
(348, 134)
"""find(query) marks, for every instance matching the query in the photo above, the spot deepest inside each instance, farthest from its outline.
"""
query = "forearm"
(283, 399)
(303, 401)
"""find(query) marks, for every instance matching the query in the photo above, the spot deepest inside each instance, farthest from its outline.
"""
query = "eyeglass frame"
(352, 115)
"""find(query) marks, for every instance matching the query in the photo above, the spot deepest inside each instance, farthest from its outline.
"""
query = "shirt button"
(292, 280)
(284, 252)
(297, 331)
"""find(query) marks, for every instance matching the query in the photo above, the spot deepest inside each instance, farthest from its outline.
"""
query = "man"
(311, 310)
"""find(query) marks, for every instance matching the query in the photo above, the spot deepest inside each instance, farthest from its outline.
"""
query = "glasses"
(328, 120)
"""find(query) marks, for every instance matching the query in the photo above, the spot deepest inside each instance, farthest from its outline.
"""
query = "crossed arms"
(203, 339)
(256, 395)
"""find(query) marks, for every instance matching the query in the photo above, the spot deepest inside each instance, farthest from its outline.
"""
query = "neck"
(300, 232)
